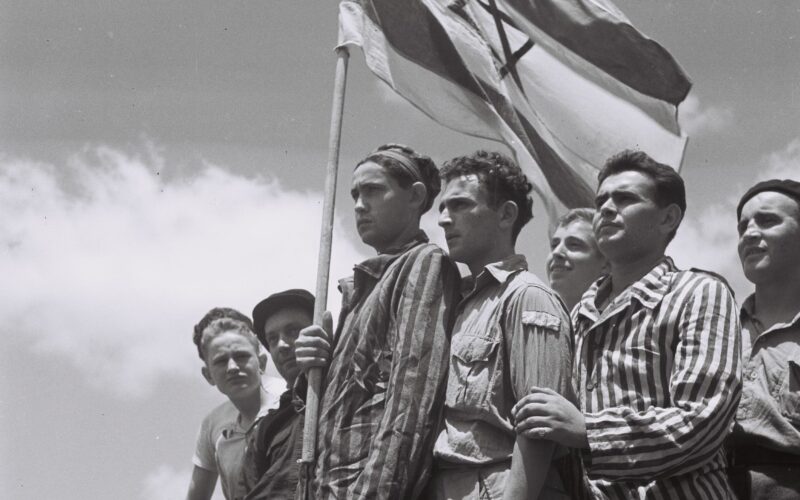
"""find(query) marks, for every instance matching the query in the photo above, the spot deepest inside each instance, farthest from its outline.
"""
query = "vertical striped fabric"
(564, 84)
(384, 390)
(658, 378)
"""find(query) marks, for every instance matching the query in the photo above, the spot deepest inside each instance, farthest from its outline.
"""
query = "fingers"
(312, 348)
(535, 398)
(537, 433)
(543, 390)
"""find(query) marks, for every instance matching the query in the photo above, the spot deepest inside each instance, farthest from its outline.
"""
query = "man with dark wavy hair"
(386, 365)
(511, 333)
(657, 352)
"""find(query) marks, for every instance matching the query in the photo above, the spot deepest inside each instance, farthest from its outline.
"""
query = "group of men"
(485, 387)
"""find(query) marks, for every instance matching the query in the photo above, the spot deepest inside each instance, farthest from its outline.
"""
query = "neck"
(496, 254)
(627, 272)
(250, 406)
(570, 299)
(408, 235)
(778, 300)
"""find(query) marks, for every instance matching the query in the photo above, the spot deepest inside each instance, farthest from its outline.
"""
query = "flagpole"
(324, 262)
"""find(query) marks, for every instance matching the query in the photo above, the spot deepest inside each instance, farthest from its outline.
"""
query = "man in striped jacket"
(657, 353)
(387, 363)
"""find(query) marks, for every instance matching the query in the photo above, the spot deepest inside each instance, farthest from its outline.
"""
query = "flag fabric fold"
(565, 84)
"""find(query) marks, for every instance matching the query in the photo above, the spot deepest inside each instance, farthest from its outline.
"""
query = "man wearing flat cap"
(270, 469)
(765, 444)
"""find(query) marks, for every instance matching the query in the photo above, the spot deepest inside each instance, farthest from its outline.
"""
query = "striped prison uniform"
(384, 389)
(658, 379)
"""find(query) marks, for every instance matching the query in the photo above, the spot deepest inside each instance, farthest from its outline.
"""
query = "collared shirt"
(385, 384)
(658, 377)
(220, 447)
(511, 333)
(769, 412)
(270, 470)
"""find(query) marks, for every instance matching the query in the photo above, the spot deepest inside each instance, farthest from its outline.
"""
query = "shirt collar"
(375, 266)
(747, 314)
(648, 290)
(499, 272)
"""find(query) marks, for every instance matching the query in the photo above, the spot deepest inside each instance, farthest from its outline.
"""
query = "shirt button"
(752, 375)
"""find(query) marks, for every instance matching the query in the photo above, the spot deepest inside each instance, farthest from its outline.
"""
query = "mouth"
(753, 252)
(608, 226)
(558, 268)
(236, 379)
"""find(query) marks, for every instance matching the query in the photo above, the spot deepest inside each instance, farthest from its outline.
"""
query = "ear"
(419, 193)
(508, 214)
(262, 361)
(671, 218)
(207, 375)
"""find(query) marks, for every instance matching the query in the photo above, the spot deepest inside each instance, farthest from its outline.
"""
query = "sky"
(158, 159)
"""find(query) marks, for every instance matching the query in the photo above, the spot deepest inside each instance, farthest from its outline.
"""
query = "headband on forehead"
(408, 164)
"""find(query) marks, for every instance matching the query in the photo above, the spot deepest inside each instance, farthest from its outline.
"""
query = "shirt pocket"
(789, 398)
(472, 365)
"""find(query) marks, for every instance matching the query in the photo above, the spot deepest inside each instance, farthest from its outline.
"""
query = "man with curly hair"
(232, 362)
(511, 333)
(386, 365)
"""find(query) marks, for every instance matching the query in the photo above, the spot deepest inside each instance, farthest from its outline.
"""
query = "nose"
(360, 206)
(751, 231)
(232, 366)
(444, 218)
(284, 343)
(607, 209)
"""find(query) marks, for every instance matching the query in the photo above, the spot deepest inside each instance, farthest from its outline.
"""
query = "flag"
(565, 84)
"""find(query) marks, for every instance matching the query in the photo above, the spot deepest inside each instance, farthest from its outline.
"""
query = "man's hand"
(312, 348)
(546, 414)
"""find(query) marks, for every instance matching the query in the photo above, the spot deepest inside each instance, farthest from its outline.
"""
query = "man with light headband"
(387, 363)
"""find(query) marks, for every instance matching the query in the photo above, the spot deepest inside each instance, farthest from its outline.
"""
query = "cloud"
(698, 119)
(167, 483)
(106, 263)
(708, 240)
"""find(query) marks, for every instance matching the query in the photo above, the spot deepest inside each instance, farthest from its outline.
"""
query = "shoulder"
(527, 288)
(220, 417)
(536, 303)
(701, 281)
(427, 258)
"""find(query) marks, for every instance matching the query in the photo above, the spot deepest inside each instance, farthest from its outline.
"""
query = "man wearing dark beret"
(765, 444)
(270, 469)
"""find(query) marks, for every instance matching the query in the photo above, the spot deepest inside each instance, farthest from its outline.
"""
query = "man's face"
(471, 225)
(626, 223)
(383, 209)
(281, 330)
(232, 364)
(574, 261)
(769, 237)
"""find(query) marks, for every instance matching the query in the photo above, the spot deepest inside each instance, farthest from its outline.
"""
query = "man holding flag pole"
(387, 363)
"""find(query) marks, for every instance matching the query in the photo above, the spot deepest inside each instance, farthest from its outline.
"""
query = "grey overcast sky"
(160, 158)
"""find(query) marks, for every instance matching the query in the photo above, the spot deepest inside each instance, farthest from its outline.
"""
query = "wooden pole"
(323, 265)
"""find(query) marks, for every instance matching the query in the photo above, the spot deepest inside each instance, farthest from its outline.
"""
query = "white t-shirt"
(220, 448)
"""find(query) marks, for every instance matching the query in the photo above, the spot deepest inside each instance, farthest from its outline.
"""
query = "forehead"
(771, 201)
(229, 340)
(286, 316)
(464, 186)
(629, 180)
(577, 228)
(372, 173)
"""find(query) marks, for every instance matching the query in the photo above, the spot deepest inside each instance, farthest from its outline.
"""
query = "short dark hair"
(670, 188)
(501, 178)
(426, 166)
(220, 313)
